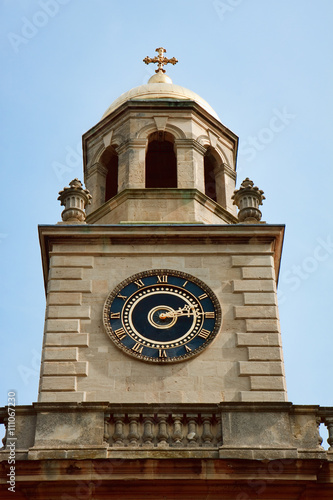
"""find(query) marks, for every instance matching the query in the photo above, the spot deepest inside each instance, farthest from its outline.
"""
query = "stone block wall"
(81, 363)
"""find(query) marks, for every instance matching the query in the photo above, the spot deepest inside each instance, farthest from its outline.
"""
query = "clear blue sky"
(264, 66)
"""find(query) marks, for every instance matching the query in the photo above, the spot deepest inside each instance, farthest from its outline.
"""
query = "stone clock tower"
(161, 169)
(162, 372)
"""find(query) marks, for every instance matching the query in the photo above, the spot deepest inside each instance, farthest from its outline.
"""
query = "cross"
(160, 60)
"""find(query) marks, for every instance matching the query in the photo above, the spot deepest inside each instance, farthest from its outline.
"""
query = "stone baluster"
(162, 435)
(4, 439)
(177, 435)
(106, 435)
(192, 436)
(320, 439)
(207, 436)
(219, 435)
(133, 434)
(118, 435)
(148, 425)
(329, 425)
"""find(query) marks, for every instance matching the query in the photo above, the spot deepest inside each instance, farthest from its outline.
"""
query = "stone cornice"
(222, 407)
(156, 106)
(171, 233)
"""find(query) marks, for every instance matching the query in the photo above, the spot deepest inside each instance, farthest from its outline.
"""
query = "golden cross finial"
(160, 60)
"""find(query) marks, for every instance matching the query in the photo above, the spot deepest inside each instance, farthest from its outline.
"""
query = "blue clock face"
(162, 316)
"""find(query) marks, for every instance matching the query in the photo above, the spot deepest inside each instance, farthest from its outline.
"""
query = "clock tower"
(161, 294)
(162, 369)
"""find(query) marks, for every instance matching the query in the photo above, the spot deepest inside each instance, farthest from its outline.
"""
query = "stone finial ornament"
(248, 198)
(74, 199)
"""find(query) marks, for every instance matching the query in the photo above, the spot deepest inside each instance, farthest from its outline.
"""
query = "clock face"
(162, 316)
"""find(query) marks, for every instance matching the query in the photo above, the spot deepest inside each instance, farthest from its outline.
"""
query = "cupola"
(160, 154)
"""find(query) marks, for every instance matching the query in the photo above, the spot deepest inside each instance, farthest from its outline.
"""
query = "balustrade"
(189, 427)
(163, 430)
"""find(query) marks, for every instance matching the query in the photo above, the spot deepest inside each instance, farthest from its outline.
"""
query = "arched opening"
(109, 160)
(210, 166)
(161, 162)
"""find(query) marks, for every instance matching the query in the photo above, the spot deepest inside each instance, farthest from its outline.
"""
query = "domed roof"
(160, 86)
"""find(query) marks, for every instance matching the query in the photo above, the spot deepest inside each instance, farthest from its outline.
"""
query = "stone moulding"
(153, 234)
(163, 106)
(200, 479)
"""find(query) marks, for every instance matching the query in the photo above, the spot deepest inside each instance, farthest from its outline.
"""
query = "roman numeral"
(204, 334)
(188, 349)
(209, 314)
(137, 348)
(121, 334)
(185, 284)
(121, 296)
(162, 353)
(139, 283)
(203, 296)
(115, 315)
(162, 279)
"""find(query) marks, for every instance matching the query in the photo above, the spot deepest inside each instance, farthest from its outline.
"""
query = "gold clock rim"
(154, 272)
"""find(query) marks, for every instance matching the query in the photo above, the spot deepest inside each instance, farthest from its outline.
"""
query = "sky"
(266, 69)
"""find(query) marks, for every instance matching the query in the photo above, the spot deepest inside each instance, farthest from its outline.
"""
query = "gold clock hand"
(185, 311)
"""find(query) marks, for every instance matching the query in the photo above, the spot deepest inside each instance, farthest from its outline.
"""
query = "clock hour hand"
(185, 311)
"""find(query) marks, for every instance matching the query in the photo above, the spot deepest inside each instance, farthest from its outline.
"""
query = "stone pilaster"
(131, 170)
(95, 182)
(190, 164)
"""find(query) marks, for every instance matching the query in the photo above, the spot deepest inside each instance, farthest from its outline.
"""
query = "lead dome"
(160, 87)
